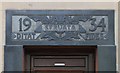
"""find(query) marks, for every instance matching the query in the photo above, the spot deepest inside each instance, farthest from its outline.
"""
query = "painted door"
(58, 60)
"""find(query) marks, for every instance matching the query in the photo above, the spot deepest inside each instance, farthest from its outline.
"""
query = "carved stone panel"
(59, 26)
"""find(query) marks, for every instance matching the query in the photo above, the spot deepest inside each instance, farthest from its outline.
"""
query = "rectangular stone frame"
(106, 50)
(110, 35)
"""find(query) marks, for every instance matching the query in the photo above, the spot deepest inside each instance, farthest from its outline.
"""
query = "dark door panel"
(59, 60)
(80, 62)
(60, 71)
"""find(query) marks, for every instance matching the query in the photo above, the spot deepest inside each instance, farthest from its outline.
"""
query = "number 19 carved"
(26, 23)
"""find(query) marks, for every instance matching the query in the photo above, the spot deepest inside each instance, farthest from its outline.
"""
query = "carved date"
(100, 24)
(26, 23)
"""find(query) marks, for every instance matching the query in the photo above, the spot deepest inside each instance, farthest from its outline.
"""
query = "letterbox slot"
(59, 64)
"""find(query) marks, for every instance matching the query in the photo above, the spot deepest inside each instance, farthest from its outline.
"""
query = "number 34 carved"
(100, 24)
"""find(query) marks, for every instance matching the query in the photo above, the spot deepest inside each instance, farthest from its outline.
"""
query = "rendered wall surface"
(1, 40)
(57, 6)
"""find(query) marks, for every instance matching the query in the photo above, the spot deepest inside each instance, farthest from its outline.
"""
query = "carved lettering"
(60, 27)
(25, 36)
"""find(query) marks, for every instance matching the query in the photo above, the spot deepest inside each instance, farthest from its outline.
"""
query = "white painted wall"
(81, 5)
(1, 41)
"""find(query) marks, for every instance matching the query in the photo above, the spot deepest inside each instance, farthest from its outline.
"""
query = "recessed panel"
(60, 61)
(60, 27)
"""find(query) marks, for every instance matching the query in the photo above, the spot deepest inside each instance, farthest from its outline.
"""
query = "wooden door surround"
(59, 59)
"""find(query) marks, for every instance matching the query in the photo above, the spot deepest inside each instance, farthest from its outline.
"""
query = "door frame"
(90, 51)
